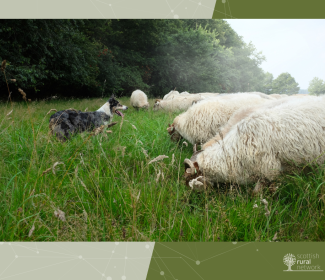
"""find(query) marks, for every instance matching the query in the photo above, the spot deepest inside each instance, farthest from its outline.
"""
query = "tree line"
(92, 58)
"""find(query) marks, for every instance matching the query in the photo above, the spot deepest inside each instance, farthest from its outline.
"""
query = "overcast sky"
(296, 46)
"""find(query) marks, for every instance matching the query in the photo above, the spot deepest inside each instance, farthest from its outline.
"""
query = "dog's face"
(115, 106)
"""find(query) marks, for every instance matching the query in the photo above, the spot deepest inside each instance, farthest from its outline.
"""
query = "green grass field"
(108, 191)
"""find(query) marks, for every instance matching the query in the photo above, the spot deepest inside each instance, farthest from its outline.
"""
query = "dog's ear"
(111, 98)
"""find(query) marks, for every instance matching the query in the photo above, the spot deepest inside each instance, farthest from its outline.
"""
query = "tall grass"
(108, 190)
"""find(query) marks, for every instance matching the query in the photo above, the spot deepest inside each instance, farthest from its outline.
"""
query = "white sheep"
(279, 96)
(171, 95)
(300, 95)
(208, 94)
(276, 96)
(261, 94)
(139, 99)
(262, 143)
(203, 120)
(174, 94)
(178, 103)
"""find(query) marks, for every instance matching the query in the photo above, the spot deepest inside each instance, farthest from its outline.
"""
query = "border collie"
(67, 122)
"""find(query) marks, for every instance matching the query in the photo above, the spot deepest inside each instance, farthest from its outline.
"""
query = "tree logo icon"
(289, 260)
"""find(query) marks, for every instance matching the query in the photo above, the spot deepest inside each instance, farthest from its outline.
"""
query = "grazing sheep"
(300, 95)
(276, 96)
(205, 94)
(261, 94)
(179, 103)
(203, 120)
(208, 94)
(240, 114)
(262, 144)
(231, 95)
(171, 95)
(279, 96)
(139, 99)
(67, 122)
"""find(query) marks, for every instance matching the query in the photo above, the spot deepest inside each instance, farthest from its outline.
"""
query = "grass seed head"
(138, 196)
(267, 212)
(158, 176)
(3, 65)
(60, 214)
(31, 231)
(275, 236)
(85, 215)
(22, 93)
(145, 152)
(47, 171)
(161, 157)
(98, 130)
(173, 159)
(54, 165)
(83, 184)
(52, 110)
(123, 151)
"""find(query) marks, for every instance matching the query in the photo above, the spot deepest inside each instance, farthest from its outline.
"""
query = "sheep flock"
(244, 137)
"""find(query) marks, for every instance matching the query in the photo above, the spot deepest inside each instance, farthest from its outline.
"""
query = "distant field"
(108, 191)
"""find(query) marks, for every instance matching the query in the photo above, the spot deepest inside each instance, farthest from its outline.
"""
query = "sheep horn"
(190, 163)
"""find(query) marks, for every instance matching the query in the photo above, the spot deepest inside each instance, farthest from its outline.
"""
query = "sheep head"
(192, 170)
(146, 106)
(157, 104)
(193, 175)
(174, 134)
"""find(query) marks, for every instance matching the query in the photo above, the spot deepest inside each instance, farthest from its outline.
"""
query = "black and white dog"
(67, 122)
